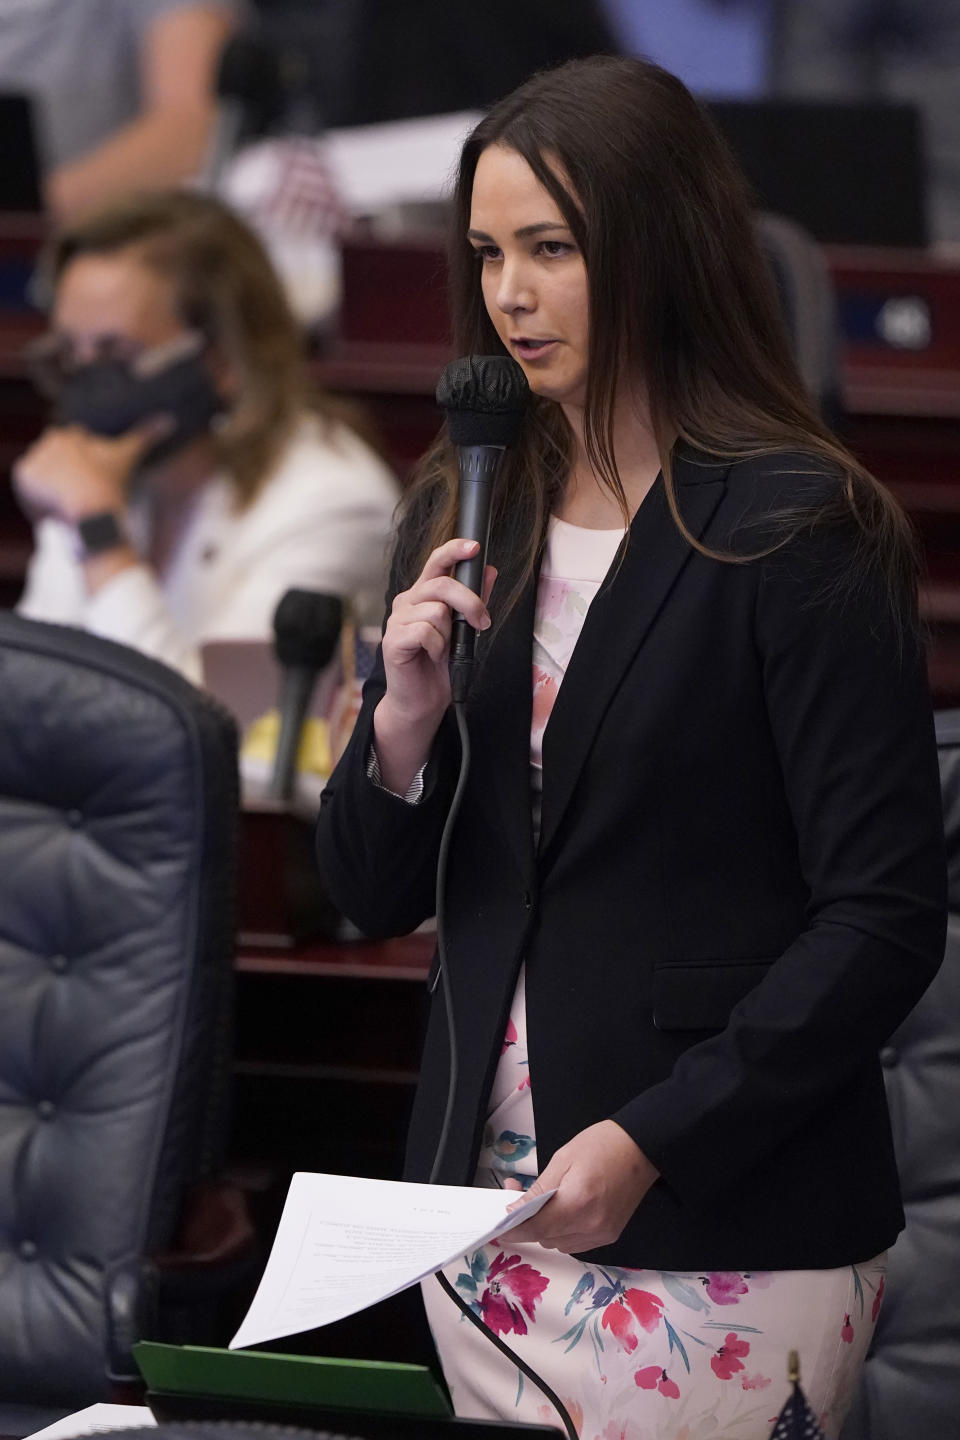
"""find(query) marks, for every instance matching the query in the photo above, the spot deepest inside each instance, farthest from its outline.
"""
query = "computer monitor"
(850, 172)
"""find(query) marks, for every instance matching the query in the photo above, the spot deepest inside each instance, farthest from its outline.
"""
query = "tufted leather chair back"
(118, 806)
(911, 1382)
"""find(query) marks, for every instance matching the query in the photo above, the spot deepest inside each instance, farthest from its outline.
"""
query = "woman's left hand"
(70, 473)
(600, 1177)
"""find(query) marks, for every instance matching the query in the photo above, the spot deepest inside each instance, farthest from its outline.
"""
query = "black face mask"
(110, 397)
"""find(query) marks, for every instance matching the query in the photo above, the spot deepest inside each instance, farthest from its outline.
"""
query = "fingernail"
(485, 622)
(470, 546)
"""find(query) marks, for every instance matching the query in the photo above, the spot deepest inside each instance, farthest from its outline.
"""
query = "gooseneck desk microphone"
(306, 628)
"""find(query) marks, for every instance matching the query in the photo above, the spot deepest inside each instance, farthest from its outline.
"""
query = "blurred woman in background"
(187, 482)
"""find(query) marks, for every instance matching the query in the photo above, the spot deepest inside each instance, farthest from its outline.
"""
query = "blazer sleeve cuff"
(414, 791)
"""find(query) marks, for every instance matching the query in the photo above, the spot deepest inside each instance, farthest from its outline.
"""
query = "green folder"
(261, 1375)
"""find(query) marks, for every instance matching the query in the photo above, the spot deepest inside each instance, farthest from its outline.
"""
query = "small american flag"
(285, 186)
(796, 1420)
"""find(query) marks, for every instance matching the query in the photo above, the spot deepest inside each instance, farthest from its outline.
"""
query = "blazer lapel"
(500, 716)
(617, 622)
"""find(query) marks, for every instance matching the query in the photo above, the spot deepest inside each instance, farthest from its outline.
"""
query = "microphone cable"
(511, 1355)
(484, 397)
(453, 1076)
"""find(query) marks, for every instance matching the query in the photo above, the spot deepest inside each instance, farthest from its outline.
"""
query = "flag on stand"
(796, 1420)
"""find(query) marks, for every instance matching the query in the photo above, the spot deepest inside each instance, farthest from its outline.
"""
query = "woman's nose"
(514, 291)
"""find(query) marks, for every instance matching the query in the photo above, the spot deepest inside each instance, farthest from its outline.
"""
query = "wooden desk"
(327, 1049)
(900, 313)
(406, 959)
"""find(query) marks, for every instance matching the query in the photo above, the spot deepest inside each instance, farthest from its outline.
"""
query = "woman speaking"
(697, 877)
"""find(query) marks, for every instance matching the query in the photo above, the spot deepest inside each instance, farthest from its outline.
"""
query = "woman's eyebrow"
(523, 233)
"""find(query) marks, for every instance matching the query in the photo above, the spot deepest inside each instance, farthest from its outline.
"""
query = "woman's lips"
(529, 349)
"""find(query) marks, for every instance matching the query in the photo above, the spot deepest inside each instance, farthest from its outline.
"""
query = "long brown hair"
(678, 291)
(226, 288)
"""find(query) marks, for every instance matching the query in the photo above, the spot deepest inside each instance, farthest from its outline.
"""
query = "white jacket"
(322, 521)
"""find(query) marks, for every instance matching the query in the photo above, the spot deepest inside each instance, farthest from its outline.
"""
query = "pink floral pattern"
(546, 1415)
(877, 1302)
(724, 1286)
(726, 1362)
(651, 1377)
(512, 1291)
(545, 690)
(572, 572)
(630, 1309)
(614, 1429)
(638, 1354)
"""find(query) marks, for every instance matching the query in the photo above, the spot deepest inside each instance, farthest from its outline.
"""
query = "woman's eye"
(487, 252)
(553, 248)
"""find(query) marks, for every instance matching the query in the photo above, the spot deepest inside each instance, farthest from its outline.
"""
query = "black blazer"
(739, 888)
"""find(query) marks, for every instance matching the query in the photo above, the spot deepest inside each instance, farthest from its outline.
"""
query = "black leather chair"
(911, 1382)
(118, 816)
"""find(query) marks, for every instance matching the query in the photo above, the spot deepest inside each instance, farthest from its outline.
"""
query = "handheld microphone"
(306, 627)
(484, 397)
(250, 98)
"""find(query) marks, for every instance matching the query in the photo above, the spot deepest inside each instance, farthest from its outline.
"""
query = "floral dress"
(633, 1354)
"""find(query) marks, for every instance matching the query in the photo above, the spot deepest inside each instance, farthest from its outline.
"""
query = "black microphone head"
(484, 397)
(306, 627)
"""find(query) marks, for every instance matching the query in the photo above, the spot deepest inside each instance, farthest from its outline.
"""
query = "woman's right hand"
(70, 473)
(416, 650)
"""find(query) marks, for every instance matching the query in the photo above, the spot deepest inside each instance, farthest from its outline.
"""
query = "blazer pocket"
(700, 995)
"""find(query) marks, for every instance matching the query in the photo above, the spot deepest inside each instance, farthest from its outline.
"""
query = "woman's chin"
(553, 388)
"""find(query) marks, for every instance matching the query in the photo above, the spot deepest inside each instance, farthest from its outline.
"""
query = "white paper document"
(345, 1243)
(96, 1420)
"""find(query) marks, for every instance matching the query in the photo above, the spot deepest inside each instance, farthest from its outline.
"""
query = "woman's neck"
(176, 480)
(586, 500)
